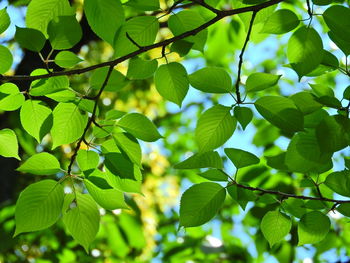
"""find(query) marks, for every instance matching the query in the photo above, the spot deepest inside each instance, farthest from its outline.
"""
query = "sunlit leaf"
(68, 124)
(275, 226)
(8, 144)
(212, 80)
(201, 160)
(41, 164)
(200, 203)
(313, 228)
(36, 118)
(38, 206)
(82, 219)
(214, 127)
(105, 17)
(241, 158)
(140, 127)
(171, 82)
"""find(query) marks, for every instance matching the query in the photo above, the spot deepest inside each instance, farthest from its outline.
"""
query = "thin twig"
(205, 5)
(133, 41)
(286, 195)
(218, 17)
(240, 63)
(90, 121)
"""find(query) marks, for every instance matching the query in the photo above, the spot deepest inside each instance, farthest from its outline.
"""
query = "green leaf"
(114, 114)
(140, 127)
(129, 146)
(329, 63)
(333, 133)
(68, 124)
(141, 69)
(305, 50)
(342, 44)
(172, 82)
(47, 86)
(87, 160)
(106, 196)
(122, 174)
(211, 80)
(36, 118)
(214, 127)
(67, 59)
(322, 2)
(62, 96)
(201, 160)
(187, 20)
(241, 158)
(200, 203)
(8, 144)
(295, 207)
(260, 81)
(337, 18)
(344, 209)
(38, 206)
(280, 112)
(313, 228)
(105, 17)
(10, 97)
(280, 22)
(215, 175)
(304, 154)
(275, 226)
(82, 219)
(346, 93)
(30, 39)
(306, 102)
(240, 195)
(116, 81)
(277, 161)
(141, 29)
(321, 90)
(6, 59)
(243, 115)
(4, 20)
(64, 33)
(41, 12)
(339, 182)
(41, 164)
(144, 5)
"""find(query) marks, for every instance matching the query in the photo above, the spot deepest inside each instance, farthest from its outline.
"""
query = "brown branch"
(286, 195)
(240, 63)
(220, 15)
(90, 121)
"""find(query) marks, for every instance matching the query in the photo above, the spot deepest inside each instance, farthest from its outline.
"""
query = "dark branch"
(240, 63)
(133, 41)
(90, 121)
(286, 195)
(166, 42)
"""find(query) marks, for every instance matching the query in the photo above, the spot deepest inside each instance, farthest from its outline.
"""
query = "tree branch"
(240, 63)
(220, 15)
(286, 195)
(90, 121)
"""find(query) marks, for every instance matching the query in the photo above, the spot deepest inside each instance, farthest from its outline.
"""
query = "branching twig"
(205, 5)
(286, 195)
(220, 15)
(133, 41)
(90, 121)
(240, 63)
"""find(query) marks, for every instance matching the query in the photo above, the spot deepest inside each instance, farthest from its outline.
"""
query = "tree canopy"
(174, 131)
